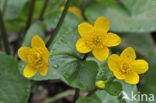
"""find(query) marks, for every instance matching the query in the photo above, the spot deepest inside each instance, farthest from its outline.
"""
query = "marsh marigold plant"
(126, 67)
(35, 57)
(96, 38)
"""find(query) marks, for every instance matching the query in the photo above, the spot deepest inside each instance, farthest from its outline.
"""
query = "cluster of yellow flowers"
(96, 39)
(93, 38)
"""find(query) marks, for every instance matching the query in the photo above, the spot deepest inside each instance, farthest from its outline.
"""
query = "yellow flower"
(100, 84)
(35, 57)
(96, 39)
(73, 9)
(126, 67)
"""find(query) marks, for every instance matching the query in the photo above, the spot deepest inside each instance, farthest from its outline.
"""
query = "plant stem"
(110, 79)
(77, 93)
(30, 16)
(0, 42)
(59, 24)
(43, 10)
(73, 55)
(4, 8)
(4, 34)
(28, 23)
(92, 92)
(59, 96)
(85, 57)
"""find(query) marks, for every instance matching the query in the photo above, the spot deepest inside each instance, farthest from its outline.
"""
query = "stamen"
(125, 67)
(35, 58)
(95, 39)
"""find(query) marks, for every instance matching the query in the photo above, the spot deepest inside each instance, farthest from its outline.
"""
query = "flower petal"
(132, 78)
(119, 75)
(29, 71)
(102, 23)
(43, 71)
(45, 54)
(23, 53)
(101, 54)
(111, 40)
(75, 10)
(129, 54)
(37, 42)
(140, 66)
(114, 63)
(84, 28)
(82, 47)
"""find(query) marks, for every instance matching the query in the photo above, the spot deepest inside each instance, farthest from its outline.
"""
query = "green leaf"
(15, 25)
(127, 91)
(103, 73)
(14, 88)
(2, 5)
(100, 96)
(147, 84)
(39, 29)
(133, 6)
(105, 1)
(78, 74)
(13, 8)
(38, 9)
(51, 18)
(105, 97)
(18, 23)
(87, 100)
(133, 16)
(141, 42)
(83, 3)
(113, 88)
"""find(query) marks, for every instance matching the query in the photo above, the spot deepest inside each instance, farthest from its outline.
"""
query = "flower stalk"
(28, 23)
(30, 16)
(0, 42)
(59, 24)
(4, 34)
(77, 93)
(85, 56)
(58, 96)
(92, 92)
(41, 17)
(4, 8)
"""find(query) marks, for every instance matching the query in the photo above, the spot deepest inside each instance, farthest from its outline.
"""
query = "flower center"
(35, 58)
(125, 67)
(95, 39)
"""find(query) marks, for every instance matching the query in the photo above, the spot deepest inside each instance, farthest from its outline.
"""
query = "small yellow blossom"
(100, 84)
(75, 10)
(35, 57)
(126, 67)
(96, 39)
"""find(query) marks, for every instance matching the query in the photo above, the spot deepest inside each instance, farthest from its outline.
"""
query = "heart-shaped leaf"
(132, 16)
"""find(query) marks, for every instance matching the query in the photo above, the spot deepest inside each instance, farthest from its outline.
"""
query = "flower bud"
(100, 84)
